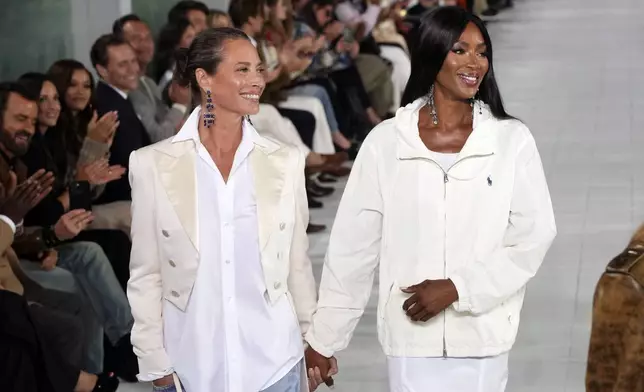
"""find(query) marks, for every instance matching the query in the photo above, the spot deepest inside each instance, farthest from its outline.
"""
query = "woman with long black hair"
(450, 201)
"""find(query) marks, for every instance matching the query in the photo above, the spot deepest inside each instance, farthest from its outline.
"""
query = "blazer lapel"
(176, 167)
(268, 169)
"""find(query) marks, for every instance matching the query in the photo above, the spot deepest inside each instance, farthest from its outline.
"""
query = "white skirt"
(489, 374)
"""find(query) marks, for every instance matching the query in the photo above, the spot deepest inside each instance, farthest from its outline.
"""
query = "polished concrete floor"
(573, 71)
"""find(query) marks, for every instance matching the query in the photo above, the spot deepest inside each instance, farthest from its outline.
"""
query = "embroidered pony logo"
(489, 180)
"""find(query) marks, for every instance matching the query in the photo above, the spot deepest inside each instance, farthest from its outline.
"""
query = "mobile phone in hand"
(80, 196)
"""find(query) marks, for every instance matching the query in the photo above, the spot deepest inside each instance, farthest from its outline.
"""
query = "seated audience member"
(217, 18)
(85, 137)
(174, 35)
(73, 170)
(616, 352)
(83, 266)
(160, 120)
(195, 12)
(118, 68)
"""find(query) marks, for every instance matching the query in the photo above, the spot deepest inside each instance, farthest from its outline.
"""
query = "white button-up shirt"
(230, 338)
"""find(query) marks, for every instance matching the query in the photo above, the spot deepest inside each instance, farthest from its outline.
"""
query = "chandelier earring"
(209, 116)
(432, 106)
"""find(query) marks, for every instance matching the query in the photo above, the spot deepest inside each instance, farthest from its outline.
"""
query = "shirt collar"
(118, 90)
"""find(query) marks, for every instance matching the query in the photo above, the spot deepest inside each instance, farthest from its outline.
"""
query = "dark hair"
(439, 30)
(205, 52)
(308, 13)
(181, 9)
(33, 81)
(71, 129)
(98, 53)
(169, 39)
(119, 24)
(240, 11)
(6, 88)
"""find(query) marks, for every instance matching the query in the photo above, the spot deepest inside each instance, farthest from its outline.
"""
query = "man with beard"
(79, 268)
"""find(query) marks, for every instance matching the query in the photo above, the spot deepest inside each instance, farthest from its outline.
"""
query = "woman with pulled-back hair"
(221, 286)
(450, 201)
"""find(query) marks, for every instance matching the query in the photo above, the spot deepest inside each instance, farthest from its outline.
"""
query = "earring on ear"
(432, 106)
(208, 116)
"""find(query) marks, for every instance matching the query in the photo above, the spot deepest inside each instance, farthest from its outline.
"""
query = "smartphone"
(80, 196)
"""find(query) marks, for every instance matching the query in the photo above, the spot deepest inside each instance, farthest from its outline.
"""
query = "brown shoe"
(336, 159)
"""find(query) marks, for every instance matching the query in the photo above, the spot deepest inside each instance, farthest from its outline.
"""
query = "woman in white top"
(450, 201)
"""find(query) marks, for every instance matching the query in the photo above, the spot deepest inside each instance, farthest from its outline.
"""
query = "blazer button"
(282, 226)
(165, 233)
(172, 264)
(175, 294)
(277, 285)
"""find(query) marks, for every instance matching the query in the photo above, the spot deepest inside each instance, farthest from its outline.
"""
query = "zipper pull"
(445, 178)
(444, 352)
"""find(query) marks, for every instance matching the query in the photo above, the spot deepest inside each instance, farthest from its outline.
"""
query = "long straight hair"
(439, 30)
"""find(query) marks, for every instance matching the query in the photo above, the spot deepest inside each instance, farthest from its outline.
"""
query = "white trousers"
(401, 70)
(489, 374)
(270, 123)
(322, 140)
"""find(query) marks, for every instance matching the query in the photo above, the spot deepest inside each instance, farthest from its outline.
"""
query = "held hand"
(102, 130)
(320, 369)
(429, 298)
(17, 200)
(72, 223)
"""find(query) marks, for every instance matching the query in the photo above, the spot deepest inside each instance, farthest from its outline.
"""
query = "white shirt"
(230, 338)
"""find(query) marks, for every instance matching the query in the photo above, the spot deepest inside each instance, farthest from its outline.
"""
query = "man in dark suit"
(116, 63)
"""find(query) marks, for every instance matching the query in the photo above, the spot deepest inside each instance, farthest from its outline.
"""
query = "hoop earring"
(432, 106)
(208, 116)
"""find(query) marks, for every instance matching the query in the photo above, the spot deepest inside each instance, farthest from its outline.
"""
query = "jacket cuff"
(154, 365)
(316, 345)
(463, 304)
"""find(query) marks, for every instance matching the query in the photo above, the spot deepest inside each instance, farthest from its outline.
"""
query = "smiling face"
(465, 65)
(122, 70)
(48, 105)
(18, 124)
(79, 91)
(237, 82)
(139, 36)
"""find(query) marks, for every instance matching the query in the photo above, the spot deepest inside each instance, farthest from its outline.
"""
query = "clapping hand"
(102, 129)
(17, 200)
(72, 223)
(48, 259)
(99, 172)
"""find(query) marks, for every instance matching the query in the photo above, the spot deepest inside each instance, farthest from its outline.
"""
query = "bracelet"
(49, 237)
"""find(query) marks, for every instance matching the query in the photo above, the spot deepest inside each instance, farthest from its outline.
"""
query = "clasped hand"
(319, 368)
(429, 298)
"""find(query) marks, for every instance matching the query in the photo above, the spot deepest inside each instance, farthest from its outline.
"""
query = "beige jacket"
(165, 246)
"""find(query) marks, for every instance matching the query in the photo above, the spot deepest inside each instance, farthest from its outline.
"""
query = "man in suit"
(118, 68)
(159, 120)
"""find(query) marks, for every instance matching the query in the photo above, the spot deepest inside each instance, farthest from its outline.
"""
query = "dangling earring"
(247, 118)
(432, 106)
(208, 116)
(477, 100)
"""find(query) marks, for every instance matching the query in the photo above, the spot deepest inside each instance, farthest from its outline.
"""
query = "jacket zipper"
(445, 181)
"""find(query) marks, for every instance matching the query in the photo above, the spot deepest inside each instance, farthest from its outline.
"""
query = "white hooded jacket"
(486, 223)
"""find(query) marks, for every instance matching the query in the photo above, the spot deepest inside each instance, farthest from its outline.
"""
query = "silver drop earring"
(432, 106)
(208, 116)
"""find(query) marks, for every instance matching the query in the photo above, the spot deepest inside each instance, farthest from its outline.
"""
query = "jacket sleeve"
(487, 282)
(159, 121)
(6, 234)
(144, 289)
(351, 260)
(301, 282)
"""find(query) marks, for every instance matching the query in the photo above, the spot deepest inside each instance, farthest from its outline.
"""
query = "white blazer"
(485, 223)
(165, 248)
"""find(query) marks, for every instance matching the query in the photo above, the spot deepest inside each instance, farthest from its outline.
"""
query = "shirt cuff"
(182, 108)
(317, 346)
(463, 304)
(9, 222)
